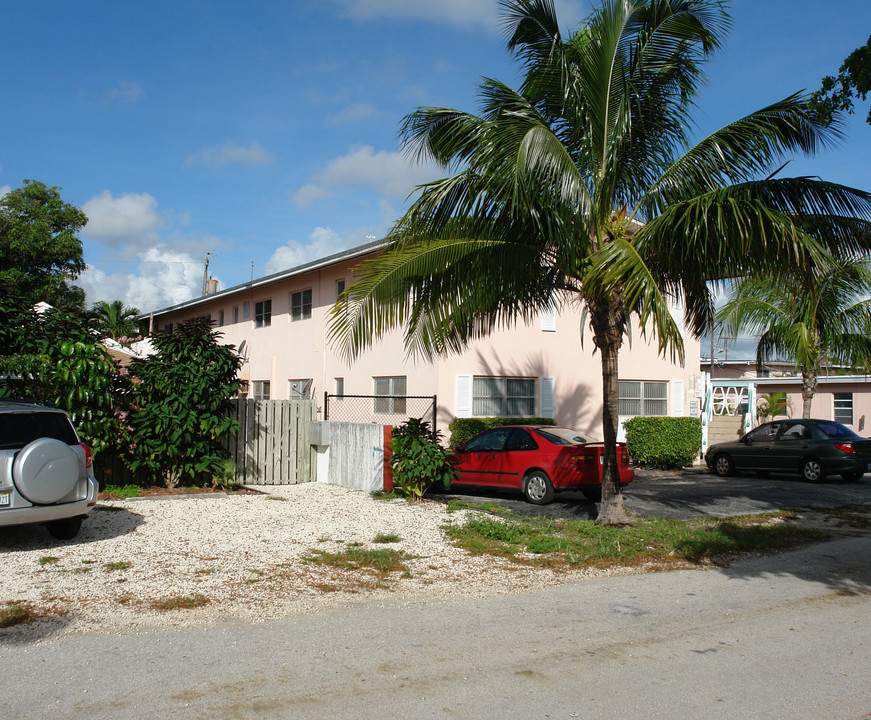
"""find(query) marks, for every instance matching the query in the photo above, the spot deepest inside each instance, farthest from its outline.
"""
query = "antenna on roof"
(206, 275)
(370, 235)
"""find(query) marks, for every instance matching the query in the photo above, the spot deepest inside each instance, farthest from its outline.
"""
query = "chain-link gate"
(380, 409)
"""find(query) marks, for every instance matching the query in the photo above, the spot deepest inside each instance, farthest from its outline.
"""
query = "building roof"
(281, 275)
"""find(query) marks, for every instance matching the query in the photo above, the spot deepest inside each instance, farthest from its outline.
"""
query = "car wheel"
(594, 494)
(538, 488)
(853, 475)
(812, 470)
(65, 529)
(723, 465)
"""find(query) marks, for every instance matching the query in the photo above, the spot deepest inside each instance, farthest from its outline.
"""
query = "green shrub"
(463, 429)
(663, 442)
(419, 460)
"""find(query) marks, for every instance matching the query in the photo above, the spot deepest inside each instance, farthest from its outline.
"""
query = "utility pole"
(206, 276)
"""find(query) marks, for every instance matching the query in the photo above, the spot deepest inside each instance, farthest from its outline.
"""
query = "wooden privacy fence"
(272, 444)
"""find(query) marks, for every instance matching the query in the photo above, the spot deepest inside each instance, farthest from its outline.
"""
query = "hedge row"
(663, 442)
(463, 429)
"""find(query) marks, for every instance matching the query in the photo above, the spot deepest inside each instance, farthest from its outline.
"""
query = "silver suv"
(46, 473)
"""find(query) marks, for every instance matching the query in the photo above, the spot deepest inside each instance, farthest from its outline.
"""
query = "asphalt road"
(779, 637)
(692, 493)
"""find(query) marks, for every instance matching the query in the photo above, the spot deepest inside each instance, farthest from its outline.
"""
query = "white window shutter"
(548, 397)
(548, 318)
(464, 396)
(677, 398)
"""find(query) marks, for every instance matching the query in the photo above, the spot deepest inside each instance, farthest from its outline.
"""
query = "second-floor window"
(263, 313)
(301, 305)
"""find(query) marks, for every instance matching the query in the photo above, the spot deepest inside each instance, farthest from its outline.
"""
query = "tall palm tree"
(581, 185)
(116, 320)
(815, 319)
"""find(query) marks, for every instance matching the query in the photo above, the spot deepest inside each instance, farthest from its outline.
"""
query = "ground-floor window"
(503, 397)
(844, 408)
(641, 397)
(390, 387)
(300, 389)
(261, 390)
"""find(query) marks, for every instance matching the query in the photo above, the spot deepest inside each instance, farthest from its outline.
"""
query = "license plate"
(5, 498)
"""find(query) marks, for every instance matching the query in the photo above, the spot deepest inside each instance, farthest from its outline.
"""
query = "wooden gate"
(272, 445)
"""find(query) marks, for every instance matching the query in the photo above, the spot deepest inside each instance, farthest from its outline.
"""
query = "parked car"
(813, 449)
(46, 472)
(539, 460)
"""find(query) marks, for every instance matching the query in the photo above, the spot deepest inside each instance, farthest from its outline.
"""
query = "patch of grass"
(385, 495)
(180, 602)
(117, 492)
(382, 561)
(386, 538)
(17, 612)
(583, 543)
(49, 560)
(120, 565)
(855, 516)
(455, 505)
(276, 497)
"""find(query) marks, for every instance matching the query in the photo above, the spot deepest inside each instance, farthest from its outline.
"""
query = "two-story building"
(546, 367)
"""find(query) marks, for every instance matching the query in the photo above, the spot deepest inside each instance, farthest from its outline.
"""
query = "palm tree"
(814, 318)
(581, 186)
(116, 320)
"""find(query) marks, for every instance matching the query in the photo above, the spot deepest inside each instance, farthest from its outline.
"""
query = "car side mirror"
(460, 448)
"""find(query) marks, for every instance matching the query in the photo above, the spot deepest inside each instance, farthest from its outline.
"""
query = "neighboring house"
(279, 324)
(732, 390)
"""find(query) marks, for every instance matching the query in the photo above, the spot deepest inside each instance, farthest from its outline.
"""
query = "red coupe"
(540, 460)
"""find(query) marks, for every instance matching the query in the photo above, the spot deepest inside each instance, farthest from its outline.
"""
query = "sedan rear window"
(562, 436)
(836, 430)
(20, 429)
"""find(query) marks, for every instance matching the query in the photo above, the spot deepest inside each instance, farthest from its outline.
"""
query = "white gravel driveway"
(240, 555)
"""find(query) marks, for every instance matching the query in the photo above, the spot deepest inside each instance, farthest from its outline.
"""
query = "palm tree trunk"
(808, 389)
(608, 335)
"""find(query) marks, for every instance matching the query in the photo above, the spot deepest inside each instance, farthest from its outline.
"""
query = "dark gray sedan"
(813, 449)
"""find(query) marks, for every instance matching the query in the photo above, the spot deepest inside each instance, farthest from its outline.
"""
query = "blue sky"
(267, 132)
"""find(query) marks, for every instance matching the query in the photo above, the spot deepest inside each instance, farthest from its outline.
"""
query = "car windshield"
(836, 430)
(562, 436)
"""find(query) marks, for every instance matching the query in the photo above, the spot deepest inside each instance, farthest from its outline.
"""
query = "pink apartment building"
(279, 324)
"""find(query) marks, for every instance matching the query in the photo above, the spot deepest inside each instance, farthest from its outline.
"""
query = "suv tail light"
(89, 456)
(846, 447)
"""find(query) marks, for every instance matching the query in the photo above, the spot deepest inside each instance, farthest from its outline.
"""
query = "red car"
(540, 460)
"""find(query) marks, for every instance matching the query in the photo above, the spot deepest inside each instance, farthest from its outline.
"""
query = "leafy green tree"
(814, 318)
(179, 402)
(853, 80)
(40, 252)
(116, 320)
(582, 186)
(772, 405)
(418, 459)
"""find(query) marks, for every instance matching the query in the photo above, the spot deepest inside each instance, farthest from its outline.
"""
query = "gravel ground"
(242, 554)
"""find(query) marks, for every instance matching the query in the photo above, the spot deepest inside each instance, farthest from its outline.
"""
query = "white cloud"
(126, 91)
(455, 12)
(322, 243)
(352, 114)
(129, 219)
(165, 277)
(387, 173)
(5, 189)
(229, 153)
